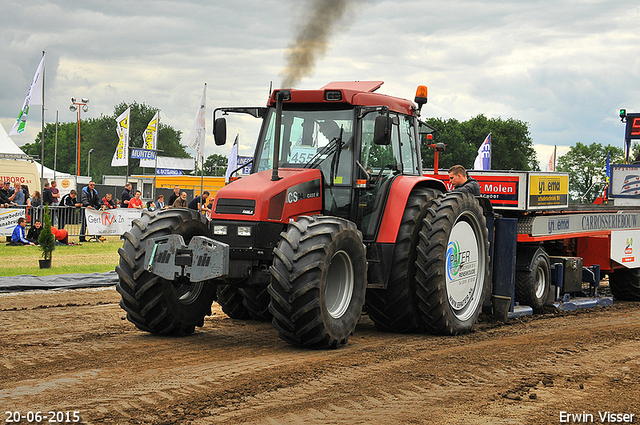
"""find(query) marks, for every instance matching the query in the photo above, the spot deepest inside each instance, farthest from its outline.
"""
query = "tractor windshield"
(322, 139)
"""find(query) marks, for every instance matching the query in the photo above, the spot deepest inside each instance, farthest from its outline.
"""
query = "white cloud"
(564, 67)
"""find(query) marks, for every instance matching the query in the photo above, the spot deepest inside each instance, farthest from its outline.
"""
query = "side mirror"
(220, 131)
(381, 133)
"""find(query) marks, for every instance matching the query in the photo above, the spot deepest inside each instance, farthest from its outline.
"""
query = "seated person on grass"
(18, 235)
(34, 232)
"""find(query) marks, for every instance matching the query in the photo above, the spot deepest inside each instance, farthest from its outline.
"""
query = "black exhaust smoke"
(323, 19)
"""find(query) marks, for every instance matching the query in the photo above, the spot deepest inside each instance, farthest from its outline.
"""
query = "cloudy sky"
(565, 67)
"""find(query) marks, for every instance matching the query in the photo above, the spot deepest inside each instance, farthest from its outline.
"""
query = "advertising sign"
(9, 220)
(138, 153)
(503, 189)
(625, 248)
(625, 181)
(566, 224)
(547, 190)
(110, 222)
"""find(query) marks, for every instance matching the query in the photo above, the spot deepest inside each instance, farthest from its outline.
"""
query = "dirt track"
(74, 351)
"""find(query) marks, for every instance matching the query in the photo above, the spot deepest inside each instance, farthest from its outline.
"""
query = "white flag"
(34, 97)
(150, 140)
(121, 155)
(483, 160)
(551, 166)
(232, 163)
(195, 139)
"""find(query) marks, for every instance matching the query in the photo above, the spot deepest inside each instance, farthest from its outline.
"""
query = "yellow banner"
(549, 185)
(548, 190)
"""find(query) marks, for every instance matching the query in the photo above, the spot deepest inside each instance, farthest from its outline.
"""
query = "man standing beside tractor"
(462, 182)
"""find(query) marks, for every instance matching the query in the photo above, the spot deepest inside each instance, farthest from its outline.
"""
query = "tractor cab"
(359, 140)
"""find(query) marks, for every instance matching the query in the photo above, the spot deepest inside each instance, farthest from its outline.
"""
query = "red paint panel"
(398, 196)
(595, 250)
(260, 188)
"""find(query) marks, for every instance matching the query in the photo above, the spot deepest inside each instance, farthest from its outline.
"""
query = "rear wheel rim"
(339, 284)
(540, 282)
(464, 268)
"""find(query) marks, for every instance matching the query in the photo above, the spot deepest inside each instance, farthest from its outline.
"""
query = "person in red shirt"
(136, 202)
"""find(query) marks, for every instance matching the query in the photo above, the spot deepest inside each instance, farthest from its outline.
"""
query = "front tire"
(452, 264)
(154, 304)
(625, 284)
(318, 282)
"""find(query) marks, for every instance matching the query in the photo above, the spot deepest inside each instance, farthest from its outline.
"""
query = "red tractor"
(336, 214)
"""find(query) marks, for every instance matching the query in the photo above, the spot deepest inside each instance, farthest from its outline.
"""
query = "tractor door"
(383, 163)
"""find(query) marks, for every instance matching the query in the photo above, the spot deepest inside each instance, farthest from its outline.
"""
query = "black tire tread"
(525, 292)
(430, 264)
(395, 309)
(143, 294)
(295, 286)
(625, 284)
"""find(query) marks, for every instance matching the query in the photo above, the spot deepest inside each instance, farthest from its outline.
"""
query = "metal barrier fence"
(69, 218)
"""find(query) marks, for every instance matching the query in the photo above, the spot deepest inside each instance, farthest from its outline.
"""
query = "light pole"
(78, 106)
(89, 161)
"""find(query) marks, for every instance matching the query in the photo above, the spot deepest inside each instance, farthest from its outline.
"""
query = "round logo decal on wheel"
(462, 265)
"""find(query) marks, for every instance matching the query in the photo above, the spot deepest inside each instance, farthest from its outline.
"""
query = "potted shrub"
(46, 240)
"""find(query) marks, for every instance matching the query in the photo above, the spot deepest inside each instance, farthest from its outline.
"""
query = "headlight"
(220, 230)
(244, 230)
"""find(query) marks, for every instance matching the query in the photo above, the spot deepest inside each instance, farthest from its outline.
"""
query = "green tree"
(100, 135)
(511, 143)
(587, 168)
(215, 165)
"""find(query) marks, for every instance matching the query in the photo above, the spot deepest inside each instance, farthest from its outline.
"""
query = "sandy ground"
(74, 351)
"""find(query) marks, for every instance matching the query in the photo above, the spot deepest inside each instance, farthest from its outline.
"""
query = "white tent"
(8, 146)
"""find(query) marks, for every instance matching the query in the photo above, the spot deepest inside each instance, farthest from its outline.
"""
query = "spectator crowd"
(19, 196)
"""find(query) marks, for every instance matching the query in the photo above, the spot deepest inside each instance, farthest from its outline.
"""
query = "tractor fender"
(396, 202)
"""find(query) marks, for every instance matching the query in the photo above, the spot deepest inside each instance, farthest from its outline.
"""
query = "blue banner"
(243, 160)
(137, 153)
(169, 172)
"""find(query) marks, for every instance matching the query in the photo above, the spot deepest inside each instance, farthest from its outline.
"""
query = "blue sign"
(169, 172)
(137, 153)
(243, 160)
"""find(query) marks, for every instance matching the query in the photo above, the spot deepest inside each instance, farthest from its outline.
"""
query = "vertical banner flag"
(232, 163)
(483, 160)
(195, 139)
(551, 166)
(608, 167)
(34, 97)
(120, 156)
(150, 140)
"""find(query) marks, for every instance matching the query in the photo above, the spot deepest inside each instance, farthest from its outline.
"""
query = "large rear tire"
(395, 309)
(452, 264)
(625, 284)
(318, 282)
(532, 286)
(154, 304)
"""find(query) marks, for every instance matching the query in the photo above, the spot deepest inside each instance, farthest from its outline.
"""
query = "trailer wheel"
(318, 282)
(231, 301)
(452, 264)
(532, 286)
(395, 309)
(625, 284)
(154, 304)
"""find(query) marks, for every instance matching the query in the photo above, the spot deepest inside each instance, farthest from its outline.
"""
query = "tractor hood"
(258, 198)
